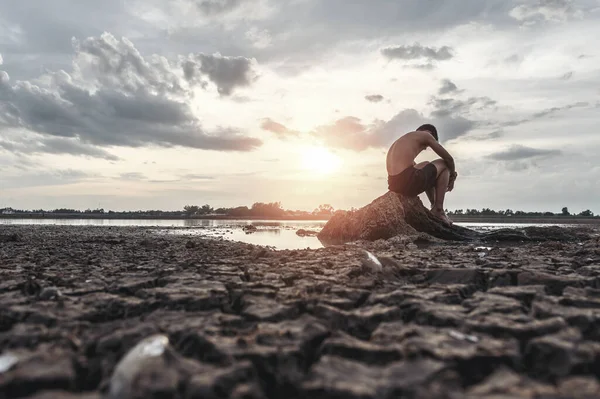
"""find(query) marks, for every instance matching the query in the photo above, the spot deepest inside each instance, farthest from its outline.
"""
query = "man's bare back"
(403, 152)
(407, 178)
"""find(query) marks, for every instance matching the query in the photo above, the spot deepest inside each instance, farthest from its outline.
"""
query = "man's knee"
(440, 165)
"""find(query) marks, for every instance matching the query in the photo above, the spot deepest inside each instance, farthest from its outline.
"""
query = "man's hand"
(453, 176)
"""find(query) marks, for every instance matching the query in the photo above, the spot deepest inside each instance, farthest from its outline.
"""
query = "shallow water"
(280, 234)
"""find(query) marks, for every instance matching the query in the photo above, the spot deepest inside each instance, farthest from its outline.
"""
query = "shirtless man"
(410, 179)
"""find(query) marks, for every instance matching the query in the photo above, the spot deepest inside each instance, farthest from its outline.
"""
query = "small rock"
(49, 293)
(249, 229)
(306, 233)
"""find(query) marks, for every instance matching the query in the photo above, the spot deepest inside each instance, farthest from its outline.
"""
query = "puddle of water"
(279, 238)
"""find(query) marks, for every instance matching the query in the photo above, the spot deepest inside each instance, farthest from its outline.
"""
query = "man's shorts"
(412, 181)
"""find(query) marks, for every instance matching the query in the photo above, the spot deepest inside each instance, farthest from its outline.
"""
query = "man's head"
(429, 128)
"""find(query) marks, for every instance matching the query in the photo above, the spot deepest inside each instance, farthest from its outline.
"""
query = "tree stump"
(392, 214)
(388, 216)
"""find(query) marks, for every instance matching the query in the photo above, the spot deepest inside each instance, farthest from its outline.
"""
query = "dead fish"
(7, 361)
(463, 337)
(132, 363)
(372, 262)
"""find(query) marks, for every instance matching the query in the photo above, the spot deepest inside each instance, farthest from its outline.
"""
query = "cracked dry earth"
(445, 321)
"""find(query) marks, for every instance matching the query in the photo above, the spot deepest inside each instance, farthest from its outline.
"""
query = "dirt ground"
(445, 320)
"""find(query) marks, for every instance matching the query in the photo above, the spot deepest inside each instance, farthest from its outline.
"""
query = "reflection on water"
(280, 234)
(277, 234)
(496, 226)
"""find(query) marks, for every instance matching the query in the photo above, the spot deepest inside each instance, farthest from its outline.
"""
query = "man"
(410, 179)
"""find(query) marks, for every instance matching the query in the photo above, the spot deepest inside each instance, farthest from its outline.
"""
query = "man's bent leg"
(441, 186)
(430, 191)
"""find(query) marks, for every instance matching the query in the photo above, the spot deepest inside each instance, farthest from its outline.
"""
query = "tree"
(324, 209)
(190, 210)
(587, 212)
(565, 211)
(272, 209)
(205, 210)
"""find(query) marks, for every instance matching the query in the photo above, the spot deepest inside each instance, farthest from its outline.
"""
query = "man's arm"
(441, 151)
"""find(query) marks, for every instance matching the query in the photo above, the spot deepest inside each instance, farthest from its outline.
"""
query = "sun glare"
(320, 160)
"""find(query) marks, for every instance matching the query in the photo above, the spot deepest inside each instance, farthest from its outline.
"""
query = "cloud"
(553, 110)
(132, 176)
(55, 145)
(193, 176)
(374, 98)
(487, 136)
(116, 97)
(418, 52)
(567, 76)
(447, 87)
(545, 10)
(444, 107)
(544, 113)
(348, 133)
(259, 38)
(519, 152)
(227, 73)
(518, 166)
(218, 7)
(56, 177)
(352, 134)
(513, 59)
(274, 127)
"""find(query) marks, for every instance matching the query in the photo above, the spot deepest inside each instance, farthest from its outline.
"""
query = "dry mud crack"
(447, 321)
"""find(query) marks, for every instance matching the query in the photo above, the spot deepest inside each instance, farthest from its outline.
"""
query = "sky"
(157, 104)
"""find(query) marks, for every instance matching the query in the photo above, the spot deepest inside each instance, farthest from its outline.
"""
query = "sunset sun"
(320, 160)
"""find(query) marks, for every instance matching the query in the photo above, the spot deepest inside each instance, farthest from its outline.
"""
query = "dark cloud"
(227, 73)
(218, 7)
(532, 12)
(567, 76)
(519, 152)
(55, 145)
(275, 127)
(116, 97)
(374, 98)
(417, 52)
(444, 107)
(554, 110)
(447, 87)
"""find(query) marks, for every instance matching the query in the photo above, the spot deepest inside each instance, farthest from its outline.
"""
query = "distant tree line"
(510, 212)
(266, 210)
(258, 209)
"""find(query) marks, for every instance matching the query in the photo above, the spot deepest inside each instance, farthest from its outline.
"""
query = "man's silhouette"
(410, 179)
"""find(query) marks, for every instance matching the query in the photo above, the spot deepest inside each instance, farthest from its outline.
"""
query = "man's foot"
(439, 213)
